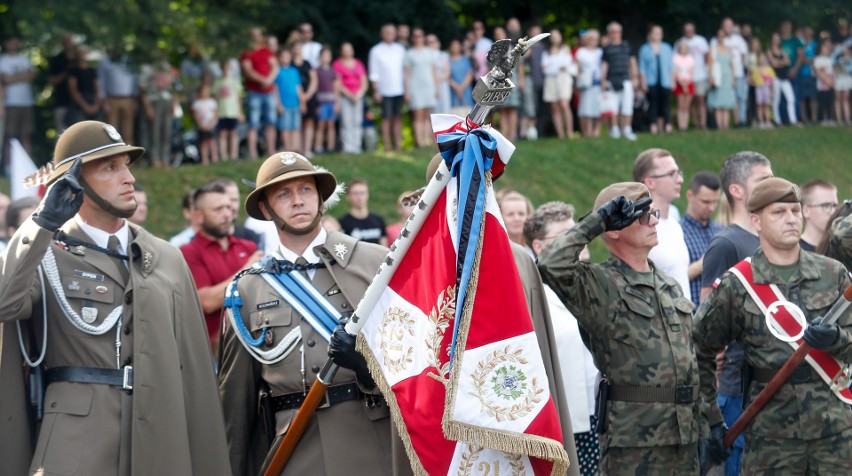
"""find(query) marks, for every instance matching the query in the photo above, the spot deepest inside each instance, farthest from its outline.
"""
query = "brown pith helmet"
(89, 140)
(283, 166)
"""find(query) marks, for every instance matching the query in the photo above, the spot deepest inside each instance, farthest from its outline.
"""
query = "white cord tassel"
(44, 328)
(49, 264)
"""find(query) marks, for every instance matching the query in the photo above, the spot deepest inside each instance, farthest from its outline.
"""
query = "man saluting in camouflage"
(638, 326)
(805, 428)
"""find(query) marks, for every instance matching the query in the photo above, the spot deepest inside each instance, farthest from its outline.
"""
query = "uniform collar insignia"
(340, 250)
(147, 259)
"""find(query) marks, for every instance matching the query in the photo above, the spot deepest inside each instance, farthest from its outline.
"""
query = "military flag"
(450, 341)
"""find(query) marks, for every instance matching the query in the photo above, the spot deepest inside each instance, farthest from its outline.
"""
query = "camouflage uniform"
(840, 241)
(804, 429)
(639, 330)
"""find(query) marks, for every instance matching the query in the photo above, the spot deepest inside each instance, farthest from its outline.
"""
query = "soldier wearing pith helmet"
(109, 318)
(273, 347)
(769, 302)
(639, 327)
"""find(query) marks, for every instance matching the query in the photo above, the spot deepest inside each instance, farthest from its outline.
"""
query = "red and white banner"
(487, 408)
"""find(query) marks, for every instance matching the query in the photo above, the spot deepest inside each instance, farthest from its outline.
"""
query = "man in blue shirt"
(698, 227)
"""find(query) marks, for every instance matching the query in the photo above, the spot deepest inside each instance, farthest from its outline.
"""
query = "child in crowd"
(228, 90)
(683, 74)
(824, 70)
(290, 102)
(842, 86)
(763, 76)
(393, 230)
(205, 112)
(329, 100)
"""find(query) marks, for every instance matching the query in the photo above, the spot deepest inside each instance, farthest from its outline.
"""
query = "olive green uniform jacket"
(639, 328)
(805, 411)
(171, 423)
(347, 438)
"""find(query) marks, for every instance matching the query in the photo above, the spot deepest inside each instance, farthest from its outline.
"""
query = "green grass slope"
(549, 169)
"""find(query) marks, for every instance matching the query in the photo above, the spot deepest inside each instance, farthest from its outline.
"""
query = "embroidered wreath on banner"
(486, 468)
(517, 465)
(395, 323)
(441, 316)
(468, 459)
(507, 382)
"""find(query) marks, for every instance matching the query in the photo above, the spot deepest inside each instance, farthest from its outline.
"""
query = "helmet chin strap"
(106, 206)
(283, 226)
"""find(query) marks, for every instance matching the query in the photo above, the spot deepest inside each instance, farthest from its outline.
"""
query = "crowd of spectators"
(301, 95)
(304, 96)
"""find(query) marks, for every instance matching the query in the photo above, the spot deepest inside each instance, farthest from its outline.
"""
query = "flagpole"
(491, 90)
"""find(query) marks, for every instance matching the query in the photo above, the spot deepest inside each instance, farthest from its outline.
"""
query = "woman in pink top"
(682, 77)
(352, 84)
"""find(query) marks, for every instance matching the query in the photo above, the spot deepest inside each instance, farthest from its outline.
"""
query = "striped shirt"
(697, 237)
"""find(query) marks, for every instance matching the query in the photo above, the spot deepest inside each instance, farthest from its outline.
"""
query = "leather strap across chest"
(833, 372)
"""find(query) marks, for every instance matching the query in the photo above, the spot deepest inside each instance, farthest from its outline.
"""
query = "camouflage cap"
(632, 190)
(283, 166)
(89, 140)
(773, 190)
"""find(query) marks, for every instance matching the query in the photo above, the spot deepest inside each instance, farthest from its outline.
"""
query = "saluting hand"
(62, 199)
(621, 212)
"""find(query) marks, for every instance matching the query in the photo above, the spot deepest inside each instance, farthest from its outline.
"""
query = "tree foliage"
(219, 27)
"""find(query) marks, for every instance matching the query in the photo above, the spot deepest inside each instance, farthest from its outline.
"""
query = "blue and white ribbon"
(468, 155)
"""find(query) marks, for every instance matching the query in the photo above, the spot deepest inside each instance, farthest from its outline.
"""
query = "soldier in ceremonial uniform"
(805, 428)
(116, 328)
(270, 348)
(639, 329)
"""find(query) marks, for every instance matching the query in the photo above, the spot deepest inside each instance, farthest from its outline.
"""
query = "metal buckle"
(372, 401)
(127, 381)
(325, 401)
(683, 394)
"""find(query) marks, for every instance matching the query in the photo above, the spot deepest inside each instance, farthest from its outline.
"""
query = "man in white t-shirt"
(739, 48)
(16, 74)
(385, 66)
(658, 170)
(480, 49)
(310, 49)
(699, 48)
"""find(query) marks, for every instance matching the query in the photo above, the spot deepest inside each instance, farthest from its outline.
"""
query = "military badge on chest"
(89, 314)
